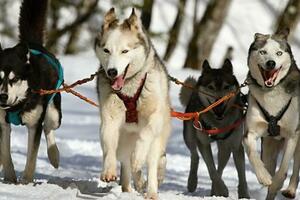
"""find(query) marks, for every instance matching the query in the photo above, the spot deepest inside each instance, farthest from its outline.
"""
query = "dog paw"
(243, 192)
(192, 183)
(264, 177)
(25, 181)
(151, 196)
(126, 189)
(10, 179)
(288, 194)
(53, 155)
(219, 189)
(109, 175)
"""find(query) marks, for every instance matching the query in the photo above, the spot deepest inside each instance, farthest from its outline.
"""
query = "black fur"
(35, 69)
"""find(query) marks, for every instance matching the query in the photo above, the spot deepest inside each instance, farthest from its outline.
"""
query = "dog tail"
(185, 93)
(32, 21)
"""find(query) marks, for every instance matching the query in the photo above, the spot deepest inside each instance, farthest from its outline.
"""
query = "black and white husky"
(273, 111)
(26, 68)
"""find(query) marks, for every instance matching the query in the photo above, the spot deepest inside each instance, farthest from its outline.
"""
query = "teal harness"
(14, 117)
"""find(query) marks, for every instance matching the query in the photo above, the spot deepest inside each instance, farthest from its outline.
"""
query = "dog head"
(14, 69)
(270, 58)
(121, 48)
(217, 83)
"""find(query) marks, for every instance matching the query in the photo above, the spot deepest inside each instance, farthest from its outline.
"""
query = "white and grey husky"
(217, 83)
(134, 104)
(273, 111)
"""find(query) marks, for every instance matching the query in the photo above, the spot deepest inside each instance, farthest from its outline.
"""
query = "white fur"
(17, 92)
(273, 101)
(2, 74)
(11, 75)
(256, 60)
(134, 145)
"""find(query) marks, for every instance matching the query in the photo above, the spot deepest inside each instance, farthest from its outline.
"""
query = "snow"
(78, 137)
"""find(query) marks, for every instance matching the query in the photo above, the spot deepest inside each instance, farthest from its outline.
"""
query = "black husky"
(24, 69)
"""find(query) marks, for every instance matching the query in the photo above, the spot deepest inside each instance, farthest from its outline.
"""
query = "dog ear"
(133, 22)
(22, 51)
(110, 19)
(205, 66)
(259, 36)
(227, 66)
(283, 34)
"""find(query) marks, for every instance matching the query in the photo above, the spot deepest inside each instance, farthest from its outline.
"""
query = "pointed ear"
(22, 51)
(227, 66)
(283, 34)
(110, 19)
(133, 22)
(259, 36)
(205, 66)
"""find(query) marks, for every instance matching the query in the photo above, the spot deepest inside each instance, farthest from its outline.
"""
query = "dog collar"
(131, 114)
(273, 127)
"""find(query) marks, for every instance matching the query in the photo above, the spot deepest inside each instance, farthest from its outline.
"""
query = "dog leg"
(161, 169)
(8, 167)
(109, 143)
(139, 181)
(239, 161)
(290, 192)
(52, 122)
(218, 186)
(223, 157)
(152, 164)
(125, 177)
(262, 174)
(190, 139)
(269, 153)
(278, 179)
(34, 137)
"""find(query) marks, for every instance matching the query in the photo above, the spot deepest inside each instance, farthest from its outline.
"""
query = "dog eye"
(262, 52)
(125, 51)
(106, 50)
(279, 53)
(14, 79)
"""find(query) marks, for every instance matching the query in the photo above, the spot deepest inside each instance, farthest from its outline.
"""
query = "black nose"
(3, 98)
(112, 73)
(270, 64)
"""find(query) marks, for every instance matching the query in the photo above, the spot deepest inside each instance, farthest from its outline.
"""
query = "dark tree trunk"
(289, 17)
(206, 32)
(147, 13)
(175, 30)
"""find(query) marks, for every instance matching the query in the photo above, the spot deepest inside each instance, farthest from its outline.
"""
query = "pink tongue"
(118, 83)
(270, 76)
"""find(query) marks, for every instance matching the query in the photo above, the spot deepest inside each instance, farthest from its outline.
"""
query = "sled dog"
(217, 83)
(133, 93)
(26, 68)
(273, 112)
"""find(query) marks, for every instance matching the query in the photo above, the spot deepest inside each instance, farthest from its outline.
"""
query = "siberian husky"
(133, 93)
(24, 69)
(218, 83)
(273, 111)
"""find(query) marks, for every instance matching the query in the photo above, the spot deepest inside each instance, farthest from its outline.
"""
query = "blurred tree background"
(73, 24)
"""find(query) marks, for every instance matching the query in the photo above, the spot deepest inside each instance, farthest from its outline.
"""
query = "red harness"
(131, 103)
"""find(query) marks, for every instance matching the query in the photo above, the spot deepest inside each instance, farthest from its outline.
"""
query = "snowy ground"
(78, 137)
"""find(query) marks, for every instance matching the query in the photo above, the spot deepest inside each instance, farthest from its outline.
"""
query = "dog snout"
(112, 73)
(3, 97)
(270, 64)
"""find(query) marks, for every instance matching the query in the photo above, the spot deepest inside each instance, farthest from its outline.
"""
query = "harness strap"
(131, 103)
(273, 127)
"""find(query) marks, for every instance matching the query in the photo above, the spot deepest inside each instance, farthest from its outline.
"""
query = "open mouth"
(118, 83)
(269, 76)
(219, 110)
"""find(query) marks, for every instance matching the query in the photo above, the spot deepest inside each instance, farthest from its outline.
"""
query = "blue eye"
(279, 53)
(125, 51)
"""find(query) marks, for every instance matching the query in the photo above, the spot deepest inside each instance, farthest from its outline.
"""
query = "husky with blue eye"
(273, 112)
(217, 83)
(24, 69)
(133, 93)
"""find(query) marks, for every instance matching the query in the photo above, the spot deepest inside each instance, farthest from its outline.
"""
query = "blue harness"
(14, 117)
